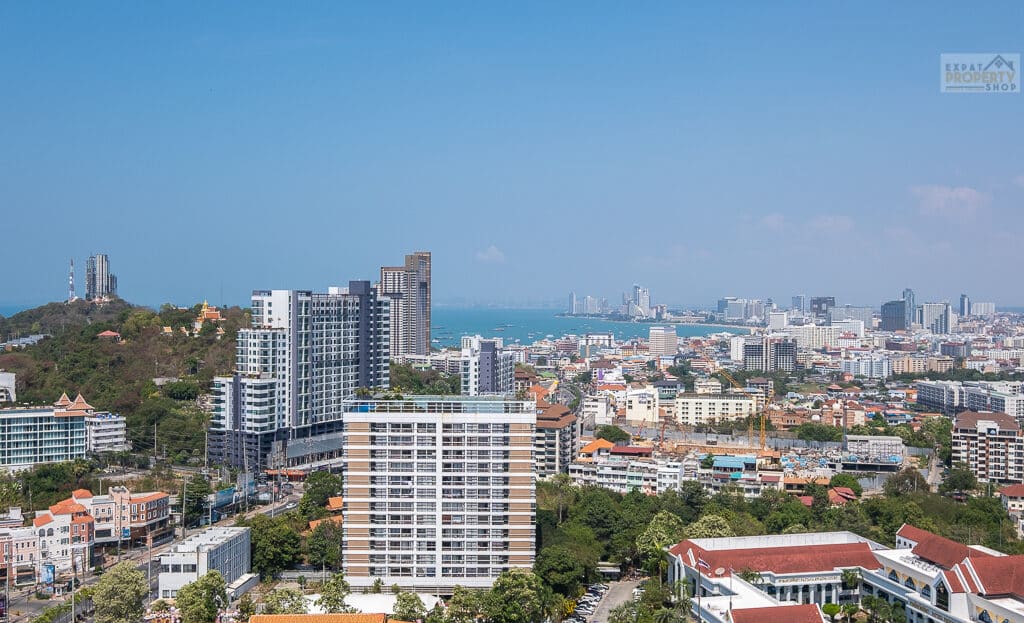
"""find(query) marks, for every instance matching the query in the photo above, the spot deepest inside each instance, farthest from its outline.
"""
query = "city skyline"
(767, 146)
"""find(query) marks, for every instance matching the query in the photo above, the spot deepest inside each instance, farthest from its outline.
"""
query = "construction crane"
(661, 435)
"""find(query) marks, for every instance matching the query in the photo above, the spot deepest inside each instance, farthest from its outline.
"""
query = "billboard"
(47, 575)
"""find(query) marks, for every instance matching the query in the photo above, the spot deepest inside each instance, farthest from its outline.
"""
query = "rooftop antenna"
(71, 282)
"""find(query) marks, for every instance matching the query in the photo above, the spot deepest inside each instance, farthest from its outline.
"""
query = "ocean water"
(528, 325)
(522, 325)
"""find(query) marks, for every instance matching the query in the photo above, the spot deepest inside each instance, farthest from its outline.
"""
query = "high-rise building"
(486, 369)
(850, 312)
(935, 317)
(439, 492)
(989, 444)
(820, 306)
(965, 306)
(304, 355)
(100, 283)
(799, 303)
(574, 307)
(663, 342)
(910, 310)
(641, 303)
(983, 309)
(769, 354)
(408, 287)
(777, 321)
(894, 316)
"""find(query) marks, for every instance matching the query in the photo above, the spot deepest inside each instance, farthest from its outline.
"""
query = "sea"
(528, 325)
(517, 325)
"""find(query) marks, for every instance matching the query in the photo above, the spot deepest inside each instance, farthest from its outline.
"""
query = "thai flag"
(703, 564)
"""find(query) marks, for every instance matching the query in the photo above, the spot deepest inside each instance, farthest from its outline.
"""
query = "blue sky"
(751, 149)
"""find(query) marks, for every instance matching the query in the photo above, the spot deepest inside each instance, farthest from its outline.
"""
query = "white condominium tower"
(304, 355)
(438, 491)
(408, 287)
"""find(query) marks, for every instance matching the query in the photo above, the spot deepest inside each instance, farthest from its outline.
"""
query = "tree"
(284, 601)
(464, 606)
(333, 593)
(851, 578)
(831, 610)
(850, 610)
(318, 487)
(665, 529)
(408, 607)
(708, 526)
(323, 546)
(517, 596)
(846, 480)
(960, 479)
(560, 568)
(201, 601)
(246, 607)
(119, 594)
(814, 431)
(611, 433)
(275, 545)
(377, 587)
(909, 480)
(197, 490)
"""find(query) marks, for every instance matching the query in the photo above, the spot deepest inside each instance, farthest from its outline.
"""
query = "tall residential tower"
(305, 353)
(408, 287)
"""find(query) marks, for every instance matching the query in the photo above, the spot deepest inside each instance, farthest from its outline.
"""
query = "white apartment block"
(597, 410)
(438, 491)
(642, 405)
(663, 342)
(8, 391)
(36, 435)
(106, 432)
(869, 366)
(710, 385)
(486, 368)
(226, 550)
(991, 445)
(701, 409)
(813, 337)
(304, 355)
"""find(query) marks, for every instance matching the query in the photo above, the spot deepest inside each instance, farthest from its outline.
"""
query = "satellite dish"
(720, 571)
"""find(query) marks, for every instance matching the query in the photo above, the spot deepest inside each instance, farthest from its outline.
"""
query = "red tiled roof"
(63, 401)
(596, 445)
(803, 613)
(936, 549)
(149, 497)
(67, 507)
(632, 450)
(42, 520)
(335, 503)
(1013, 491)
(332, 519)
(81, 494)
(1000, 575)
(795, 559)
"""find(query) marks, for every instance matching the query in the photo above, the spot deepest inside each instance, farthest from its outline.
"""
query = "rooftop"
(205, 539)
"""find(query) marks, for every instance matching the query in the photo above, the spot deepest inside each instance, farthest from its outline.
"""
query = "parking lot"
(599, 601)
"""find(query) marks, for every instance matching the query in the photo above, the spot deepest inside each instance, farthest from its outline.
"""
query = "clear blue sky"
(701, 150)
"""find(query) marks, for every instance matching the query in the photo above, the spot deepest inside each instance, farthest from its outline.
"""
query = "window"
(942, 597)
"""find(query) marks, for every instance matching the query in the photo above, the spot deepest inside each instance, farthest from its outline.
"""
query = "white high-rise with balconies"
(305, 354)
(438, 491)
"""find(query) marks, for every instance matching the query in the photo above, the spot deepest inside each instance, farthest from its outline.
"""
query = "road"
(618, 592)
(24, 606)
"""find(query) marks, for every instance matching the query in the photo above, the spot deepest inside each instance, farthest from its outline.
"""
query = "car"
(290, 505)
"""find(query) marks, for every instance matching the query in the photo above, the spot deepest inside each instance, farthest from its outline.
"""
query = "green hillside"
(118, 375)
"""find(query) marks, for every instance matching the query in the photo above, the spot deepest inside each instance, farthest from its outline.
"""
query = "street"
(618, 593)
(25, 607)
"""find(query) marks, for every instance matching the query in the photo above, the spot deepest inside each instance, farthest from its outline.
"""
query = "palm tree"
(664, 615)
(851, 578)
(850, 610)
